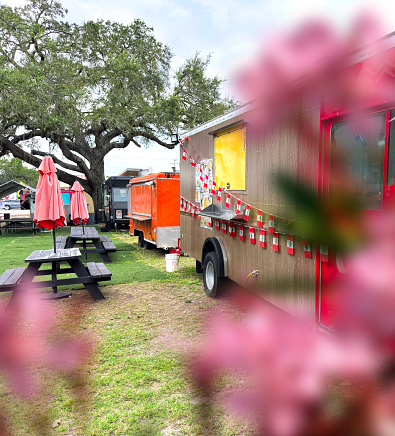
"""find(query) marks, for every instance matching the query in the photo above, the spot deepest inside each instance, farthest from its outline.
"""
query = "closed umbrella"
(49, 213)
(79, 208)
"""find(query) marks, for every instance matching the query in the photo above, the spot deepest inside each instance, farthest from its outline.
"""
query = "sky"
(231, 30)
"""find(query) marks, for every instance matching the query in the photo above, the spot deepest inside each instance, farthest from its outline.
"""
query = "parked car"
(11, 204)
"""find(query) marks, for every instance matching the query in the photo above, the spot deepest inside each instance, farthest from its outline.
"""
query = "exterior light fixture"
(174, 138)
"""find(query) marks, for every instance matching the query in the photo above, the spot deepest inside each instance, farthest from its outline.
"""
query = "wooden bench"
(10, 278)
(98, 271)
(61, 242)
(108, 245)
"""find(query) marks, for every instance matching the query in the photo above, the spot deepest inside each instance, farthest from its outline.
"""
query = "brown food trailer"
(224, 152)
(153, 209)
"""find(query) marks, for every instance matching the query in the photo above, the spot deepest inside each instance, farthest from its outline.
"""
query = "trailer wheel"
(213, 284)
(148, 246)
(140, 242)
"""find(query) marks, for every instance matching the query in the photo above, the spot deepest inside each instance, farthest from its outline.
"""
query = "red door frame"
(323, 180)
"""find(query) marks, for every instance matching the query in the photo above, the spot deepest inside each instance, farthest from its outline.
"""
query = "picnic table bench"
(15, 279)
(8, 225)
(87, 236)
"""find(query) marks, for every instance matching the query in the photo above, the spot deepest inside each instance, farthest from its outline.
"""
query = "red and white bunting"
(184, 154)
(198, 213)
(307, 251)
(189, 207)
(227, 202)
(213, 186)
(193, 163)
(276, 244)
(252, 235)
(271, 224)
(216, 224)
(290, 245)
(210, 222)
(241, 233)
(224, 227)
(238, 206)
(205, 181)
(219, 193)
(259, 219)
(306, 248)
(232, 230)
(247, 212)
(201, 174)
(181, 203)
(262, 238)
(193, 211)
(324, 255)
(185, 205)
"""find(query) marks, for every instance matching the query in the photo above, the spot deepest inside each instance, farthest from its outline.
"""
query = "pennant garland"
(276, 246)
(238, 206)
(232, 230)
(219, 193)
(271, 224)
(290, 245)
(213, 186)
(241, 233)
(262, 238)
(216, 189)
(324, 256)
(227, 202)
(306, 248)
(247, 212)
(259, 219)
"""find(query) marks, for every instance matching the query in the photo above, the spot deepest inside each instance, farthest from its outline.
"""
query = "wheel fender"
(216, 244)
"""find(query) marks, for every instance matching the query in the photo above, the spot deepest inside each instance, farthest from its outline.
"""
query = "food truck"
(153, 209)
(115, 202)
(228, 173)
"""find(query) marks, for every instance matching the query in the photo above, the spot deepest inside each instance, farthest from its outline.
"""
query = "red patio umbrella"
(79, 208)
(49, 213)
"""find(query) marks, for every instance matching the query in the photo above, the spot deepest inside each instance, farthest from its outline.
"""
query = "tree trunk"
(96, 178)
(96, 195)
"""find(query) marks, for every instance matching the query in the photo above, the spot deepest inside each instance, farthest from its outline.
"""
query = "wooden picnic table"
(14, 279)
(13, 224)
(87, 236)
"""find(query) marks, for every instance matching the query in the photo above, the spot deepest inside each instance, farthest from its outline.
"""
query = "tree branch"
(57, 161)
(152, 137)
(63, 145)
(32, 160)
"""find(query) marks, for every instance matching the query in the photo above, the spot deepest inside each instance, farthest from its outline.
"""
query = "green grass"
(137, 383)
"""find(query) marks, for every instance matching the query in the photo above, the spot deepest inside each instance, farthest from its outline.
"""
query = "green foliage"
(67, 77)
(14, 169)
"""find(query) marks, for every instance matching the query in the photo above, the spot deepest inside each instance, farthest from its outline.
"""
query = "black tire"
(199, 268)
(140, 242)
(7, 207)
(213, 284)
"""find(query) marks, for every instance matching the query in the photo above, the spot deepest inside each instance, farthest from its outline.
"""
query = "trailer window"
(120, 194)
(357, 159)
(230, 159)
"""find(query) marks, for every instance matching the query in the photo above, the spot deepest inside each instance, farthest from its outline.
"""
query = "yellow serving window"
(230, 159)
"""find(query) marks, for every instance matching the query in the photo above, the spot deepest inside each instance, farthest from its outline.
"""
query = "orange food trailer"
(153, 209)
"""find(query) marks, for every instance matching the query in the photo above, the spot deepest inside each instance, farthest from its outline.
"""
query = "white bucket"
(172, 262)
